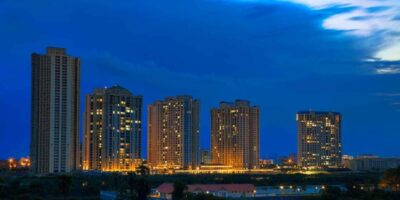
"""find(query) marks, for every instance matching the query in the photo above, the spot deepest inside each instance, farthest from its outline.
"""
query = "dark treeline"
(271, 179)
(333, 193)
(138, 186)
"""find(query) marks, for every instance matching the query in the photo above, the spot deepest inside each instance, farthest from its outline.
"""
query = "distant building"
(288, 161)
(319, 139)
(165, 190)
(13, 163)
(173, 133)
(205, 157)
(24, 162)
(235, 135)
(112, 130)
(55, 112)
(373, 163)
(266, 163)
(346, 161)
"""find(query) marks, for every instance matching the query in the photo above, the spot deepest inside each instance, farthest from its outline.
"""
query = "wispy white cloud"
(364, 18)
(367, 18)
(384, 67)
(388, 70)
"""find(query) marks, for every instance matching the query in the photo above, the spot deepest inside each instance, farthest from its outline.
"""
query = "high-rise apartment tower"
(319, 139)
(55, 112)
(173, 133)
(112, 130)
(235, 135)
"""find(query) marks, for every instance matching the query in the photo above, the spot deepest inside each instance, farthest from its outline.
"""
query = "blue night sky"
(283, 55)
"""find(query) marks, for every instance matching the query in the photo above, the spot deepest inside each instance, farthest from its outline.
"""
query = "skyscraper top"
(237, 103)
(183, 96)
(318, 112)
(114, 90)
(56, 50)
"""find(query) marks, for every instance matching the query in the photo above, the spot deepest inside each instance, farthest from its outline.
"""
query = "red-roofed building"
(221, 190)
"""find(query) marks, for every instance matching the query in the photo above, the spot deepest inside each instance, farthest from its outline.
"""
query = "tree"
(179, 190)
(64, 184)
(36, 187)
(202, 196)
(139, 188)
(143, 170)
(142, 189)
(391, 179)
(331, 193)
(3, 191)
(132, 185)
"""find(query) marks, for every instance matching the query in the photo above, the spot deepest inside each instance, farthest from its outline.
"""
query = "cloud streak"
(388, 70)
(375, 21)
(367, 19)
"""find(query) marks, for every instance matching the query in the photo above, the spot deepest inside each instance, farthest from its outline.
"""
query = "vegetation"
(143, 170)
(356, 194)
(391, 179)
(387, 189)
(138, 185)
(179, 190)
(180, 194)
(64, 184)
(189, 196)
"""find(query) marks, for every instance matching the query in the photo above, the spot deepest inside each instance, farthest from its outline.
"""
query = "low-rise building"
(372, 163)
(164, 191)
(289, 161)
(266, 163)
(346, 161)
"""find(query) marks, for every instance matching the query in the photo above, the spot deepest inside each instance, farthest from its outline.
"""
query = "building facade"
(319, 139)
(372, 163)
(235, 135)
(112, 130)
(205, 157)
(173, 133)
(55, 112)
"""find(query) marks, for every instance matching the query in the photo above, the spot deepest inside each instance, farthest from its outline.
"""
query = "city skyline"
(219, 51)
(118, 90)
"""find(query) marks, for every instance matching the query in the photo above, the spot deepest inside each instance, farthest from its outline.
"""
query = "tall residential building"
(173, 133)
(55, 112)
(112, 130)
(319, 139)
(235, 135)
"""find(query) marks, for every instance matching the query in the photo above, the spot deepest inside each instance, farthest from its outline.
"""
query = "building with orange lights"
(319, 139)
(55, 112)
(235, 135)
(24, 162)
(173, 133)
(112, 130)
(12, 163)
